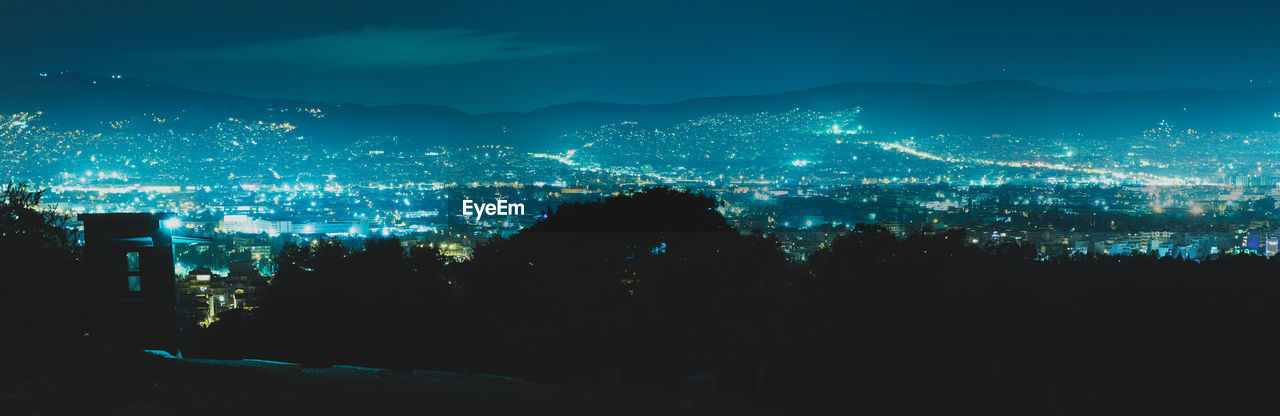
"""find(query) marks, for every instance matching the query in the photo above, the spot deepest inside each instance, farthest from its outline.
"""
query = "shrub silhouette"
(40, 284)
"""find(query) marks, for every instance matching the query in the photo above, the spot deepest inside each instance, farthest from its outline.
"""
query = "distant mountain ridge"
(79, 101)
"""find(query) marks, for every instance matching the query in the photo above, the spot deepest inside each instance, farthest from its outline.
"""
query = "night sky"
(484, 56)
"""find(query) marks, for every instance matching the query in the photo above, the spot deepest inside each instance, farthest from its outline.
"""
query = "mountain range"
(78, 101)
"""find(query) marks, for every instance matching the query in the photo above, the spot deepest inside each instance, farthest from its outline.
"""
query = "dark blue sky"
(482, 55)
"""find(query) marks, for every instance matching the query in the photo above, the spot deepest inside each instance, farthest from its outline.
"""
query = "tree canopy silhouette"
(653, 287)
(40, 284)
(654, 283)
(380, 306)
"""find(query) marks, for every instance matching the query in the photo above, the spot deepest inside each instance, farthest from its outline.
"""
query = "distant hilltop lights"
(46, 75)
(836, 129)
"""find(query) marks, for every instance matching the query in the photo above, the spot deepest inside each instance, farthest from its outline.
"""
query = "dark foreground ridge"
(87, 378)
(634, 302)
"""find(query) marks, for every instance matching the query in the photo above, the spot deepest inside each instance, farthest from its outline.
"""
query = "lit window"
(133, 261)
(135, 283)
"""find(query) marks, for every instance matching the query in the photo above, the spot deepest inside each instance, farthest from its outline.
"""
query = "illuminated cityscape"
(799, 174)
(802, 176)
(699, 207)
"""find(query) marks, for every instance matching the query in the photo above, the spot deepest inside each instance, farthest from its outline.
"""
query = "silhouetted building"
(130, 257)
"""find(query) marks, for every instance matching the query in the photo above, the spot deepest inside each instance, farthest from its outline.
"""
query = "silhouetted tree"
(327, 304)
(40, 281)
(655, 283)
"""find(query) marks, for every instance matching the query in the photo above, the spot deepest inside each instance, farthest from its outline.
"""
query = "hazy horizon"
(500, 56)
(251, 95)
